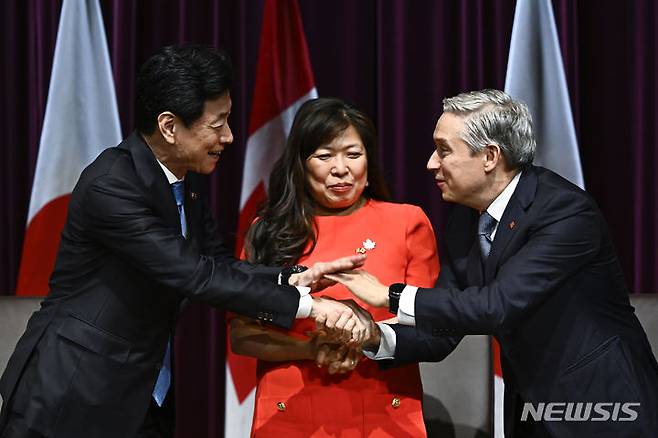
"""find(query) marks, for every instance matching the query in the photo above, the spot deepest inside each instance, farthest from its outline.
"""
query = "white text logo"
(570, 411)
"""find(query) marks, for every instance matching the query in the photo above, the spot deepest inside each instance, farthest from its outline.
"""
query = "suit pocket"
(603, 375)
(94, 339)
(591, 356)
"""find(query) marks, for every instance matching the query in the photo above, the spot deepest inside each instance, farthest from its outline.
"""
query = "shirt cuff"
(305, 302)
(386, 344)
(407, 307)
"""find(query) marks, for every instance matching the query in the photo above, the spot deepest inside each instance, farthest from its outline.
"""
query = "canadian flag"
(81, 120)
(284, 80)
(535, 75)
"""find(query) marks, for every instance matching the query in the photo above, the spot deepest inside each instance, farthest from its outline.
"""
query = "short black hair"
(180, 79)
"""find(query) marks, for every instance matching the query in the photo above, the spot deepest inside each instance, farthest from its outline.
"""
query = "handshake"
(343, 327)
(343, 330)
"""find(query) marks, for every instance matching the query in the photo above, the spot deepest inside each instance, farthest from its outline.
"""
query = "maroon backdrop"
(396, 59)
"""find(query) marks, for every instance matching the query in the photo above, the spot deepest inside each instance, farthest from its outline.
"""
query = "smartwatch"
(394, 292)
(286, 273)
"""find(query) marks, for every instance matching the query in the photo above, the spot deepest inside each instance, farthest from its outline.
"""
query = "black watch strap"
(287, 272)
(394, 292)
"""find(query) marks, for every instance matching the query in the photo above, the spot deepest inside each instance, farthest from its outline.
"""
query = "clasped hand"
(338, 343)
(342, 326)
(342, 321)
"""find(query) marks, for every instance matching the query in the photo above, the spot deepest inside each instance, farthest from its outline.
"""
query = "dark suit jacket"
(553, 294)
(89, 358)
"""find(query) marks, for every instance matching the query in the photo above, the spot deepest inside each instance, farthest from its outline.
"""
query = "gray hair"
(493, 117)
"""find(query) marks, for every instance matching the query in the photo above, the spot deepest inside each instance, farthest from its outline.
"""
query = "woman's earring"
(367, 183)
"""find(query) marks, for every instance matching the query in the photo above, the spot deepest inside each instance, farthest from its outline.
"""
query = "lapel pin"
(368, 245)
(512, 225)
(194, 196)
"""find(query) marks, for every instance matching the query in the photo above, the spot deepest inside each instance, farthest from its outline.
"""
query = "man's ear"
(493, 156)
(167, 126)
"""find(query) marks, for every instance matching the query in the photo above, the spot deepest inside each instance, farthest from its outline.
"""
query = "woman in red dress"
(326, 198)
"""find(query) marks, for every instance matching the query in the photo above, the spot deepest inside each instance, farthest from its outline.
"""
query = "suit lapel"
(155, 181)
(513, 218)
(474, 271)
(193, 211)
(463, 247)
(194, 217)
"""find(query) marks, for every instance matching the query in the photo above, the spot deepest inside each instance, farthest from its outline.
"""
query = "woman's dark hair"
(285, 224)
(180, 79)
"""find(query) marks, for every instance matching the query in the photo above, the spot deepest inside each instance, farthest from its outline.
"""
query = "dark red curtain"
(396, 59)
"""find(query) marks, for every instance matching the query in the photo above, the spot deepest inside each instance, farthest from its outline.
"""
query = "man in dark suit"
(531, 262)
(95, 360)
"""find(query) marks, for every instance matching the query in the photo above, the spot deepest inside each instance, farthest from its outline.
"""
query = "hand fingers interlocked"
(343, 324)
(338, 358)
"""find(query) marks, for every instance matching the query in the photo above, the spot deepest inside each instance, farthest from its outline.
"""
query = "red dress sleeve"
(422, 256)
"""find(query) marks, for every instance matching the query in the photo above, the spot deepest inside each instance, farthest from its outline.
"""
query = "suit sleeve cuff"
(386, 344)
(305, 302)
(407, 307)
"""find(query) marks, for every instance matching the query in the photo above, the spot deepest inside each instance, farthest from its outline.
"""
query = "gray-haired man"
(531, 262)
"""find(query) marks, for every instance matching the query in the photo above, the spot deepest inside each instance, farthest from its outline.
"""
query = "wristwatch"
(394, 292)
(286, 273)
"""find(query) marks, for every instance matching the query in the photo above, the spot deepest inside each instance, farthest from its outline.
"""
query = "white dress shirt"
(407, 305)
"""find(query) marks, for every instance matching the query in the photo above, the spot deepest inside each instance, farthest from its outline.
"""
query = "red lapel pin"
(512, 225)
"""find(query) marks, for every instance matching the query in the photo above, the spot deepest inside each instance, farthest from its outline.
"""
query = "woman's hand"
(338, 358)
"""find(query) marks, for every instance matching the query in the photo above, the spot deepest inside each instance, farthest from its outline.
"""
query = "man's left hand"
(364, 286)
(316, 277)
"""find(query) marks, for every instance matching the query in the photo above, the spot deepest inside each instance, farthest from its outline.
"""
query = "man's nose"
(434, 162)
(226, 136)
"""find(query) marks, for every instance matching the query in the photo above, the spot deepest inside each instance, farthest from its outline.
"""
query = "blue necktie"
(178, 189)
(164, 378)
(486, 225)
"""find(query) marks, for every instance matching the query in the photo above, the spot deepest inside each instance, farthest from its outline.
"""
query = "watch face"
(394, 292)
(396, 288)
